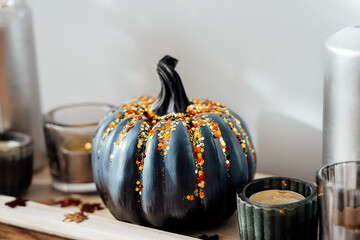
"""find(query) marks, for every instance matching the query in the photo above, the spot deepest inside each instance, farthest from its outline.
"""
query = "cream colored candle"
(9, 144)
(276, 197)
(78, 145)
(77, 156)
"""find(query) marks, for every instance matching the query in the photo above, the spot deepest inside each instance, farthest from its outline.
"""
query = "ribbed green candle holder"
(258, 221)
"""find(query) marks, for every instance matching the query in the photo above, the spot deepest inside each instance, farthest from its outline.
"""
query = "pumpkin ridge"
(223, 112)
(117, 142)
(140, 154)
(140, 159)
(159, 127)
(133, 111)
(122, 135)
(122, 115)
(193, 126)
(215, 130)
(246, 141)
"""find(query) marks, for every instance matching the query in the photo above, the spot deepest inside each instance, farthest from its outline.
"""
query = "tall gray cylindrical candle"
(20, 107)
(341, 120)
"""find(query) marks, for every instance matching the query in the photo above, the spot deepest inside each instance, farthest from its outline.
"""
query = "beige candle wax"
(276, 197)
(78, 145)
(9, 144)
(349, 218)
(77, 155)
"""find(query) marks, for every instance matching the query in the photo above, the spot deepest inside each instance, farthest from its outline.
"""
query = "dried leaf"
(70, 202)
(90, 208)
(77, 217)
(47, 201)
(212, 237)
(17, 202)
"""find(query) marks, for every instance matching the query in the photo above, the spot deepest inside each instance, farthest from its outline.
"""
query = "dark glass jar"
(16, 163)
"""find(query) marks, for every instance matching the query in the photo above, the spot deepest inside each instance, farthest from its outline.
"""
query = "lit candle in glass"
(77, 157)
(78, 145)
(276, 197)
(68, 133)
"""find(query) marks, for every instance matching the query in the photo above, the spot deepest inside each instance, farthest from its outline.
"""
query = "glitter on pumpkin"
(196, 116)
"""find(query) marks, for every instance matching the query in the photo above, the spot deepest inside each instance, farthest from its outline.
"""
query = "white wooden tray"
(43, 218)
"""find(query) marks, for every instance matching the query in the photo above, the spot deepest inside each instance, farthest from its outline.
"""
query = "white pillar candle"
(341, 123)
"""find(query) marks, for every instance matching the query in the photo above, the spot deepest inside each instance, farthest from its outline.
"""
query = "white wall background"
(261, 58)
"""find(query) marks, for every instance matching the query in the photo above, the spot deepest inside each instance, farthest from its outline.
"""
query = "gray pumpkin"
(171, 161)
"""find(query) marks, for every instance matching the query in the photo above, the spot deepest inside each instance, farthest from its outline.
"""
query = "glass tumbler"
(16, 163)
(339, 196)
(68, 133)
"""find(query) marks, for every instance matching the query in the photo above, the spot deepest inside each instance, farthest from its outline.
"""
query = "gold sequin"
(197, 115)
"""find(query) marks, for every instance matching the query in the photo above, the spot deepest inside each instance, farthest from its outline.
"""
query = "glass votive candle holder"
(68, 133)
(339, 197)
(277, 208)
(16, 163)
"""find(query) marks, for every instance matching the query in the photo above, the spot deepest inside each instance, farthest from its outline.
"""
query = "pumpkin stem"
(172, 97)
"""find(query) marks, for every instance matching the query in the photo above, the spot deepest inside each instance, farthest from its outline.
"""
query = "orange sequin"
(196, 116)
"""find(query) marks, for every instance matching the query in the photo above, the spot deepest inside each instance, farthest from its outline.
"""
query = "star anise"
(77, 217)
(90, 208)
(17, 202)
(70, 202)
